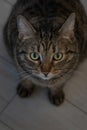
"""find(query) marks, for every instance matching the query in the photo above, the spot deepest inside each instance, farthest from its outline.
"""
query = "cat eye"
(58, 56)
(34, 56)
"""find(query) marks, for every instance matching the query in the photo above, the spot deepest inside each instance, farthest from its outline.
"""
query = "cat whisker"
(21, 73)
(25, 77)
(63, 69)
(3, 60)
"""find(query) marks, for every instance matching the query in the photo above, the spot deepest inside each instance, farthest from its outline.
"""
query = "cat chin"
(47, 83)
(50, 81)
(45, 78)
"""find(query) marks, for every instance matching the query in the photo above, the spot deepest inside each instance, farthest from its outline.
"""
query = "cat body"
(47, 40)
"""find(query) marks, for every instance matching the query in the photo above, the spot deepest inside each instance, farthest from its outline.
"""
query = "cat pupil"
(58, 56)
(35, 56)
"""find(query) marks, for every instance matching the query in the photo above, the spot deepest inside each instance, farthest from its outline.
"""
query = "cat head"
(47, 57)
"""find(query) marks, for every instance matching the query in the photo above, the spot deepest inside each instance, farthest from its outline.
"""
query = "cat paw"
(24, 90)
(57, 98)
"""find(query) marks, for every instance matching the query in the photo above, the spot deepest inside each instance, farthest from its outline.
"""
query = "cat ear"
(25, 29)
(68, 26)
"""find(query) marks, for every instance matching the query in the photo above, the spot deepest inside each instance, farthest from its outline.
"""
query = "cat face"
(43, 57)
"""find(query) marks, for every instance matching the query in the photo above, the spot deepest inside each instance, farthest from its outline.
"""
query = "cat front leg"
(25, 88)
(56, 96)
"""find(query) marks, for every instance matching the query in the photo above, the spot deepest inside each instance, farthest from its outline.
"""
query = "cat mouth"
(43, 77)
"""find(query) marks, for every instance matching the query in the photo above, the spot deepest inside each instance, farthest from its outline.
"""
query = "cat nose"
(45, 68)
(45, 73)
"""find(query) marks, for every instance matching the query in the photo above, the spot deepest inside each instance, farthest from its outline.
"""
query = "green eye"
(58, 56)
(34, 56)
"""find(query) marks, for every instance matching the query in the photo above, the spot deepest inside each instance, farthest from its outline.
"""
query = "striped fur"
(43, 26)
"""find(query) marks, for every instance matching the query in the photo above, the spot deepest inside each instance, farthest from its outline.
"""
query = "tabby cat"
(47, 39)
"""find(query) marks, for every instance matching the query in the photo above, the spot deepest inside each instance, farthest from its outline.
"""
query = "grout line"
(8, 104)
(2, 98)
(84, 112)
(6, 125)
